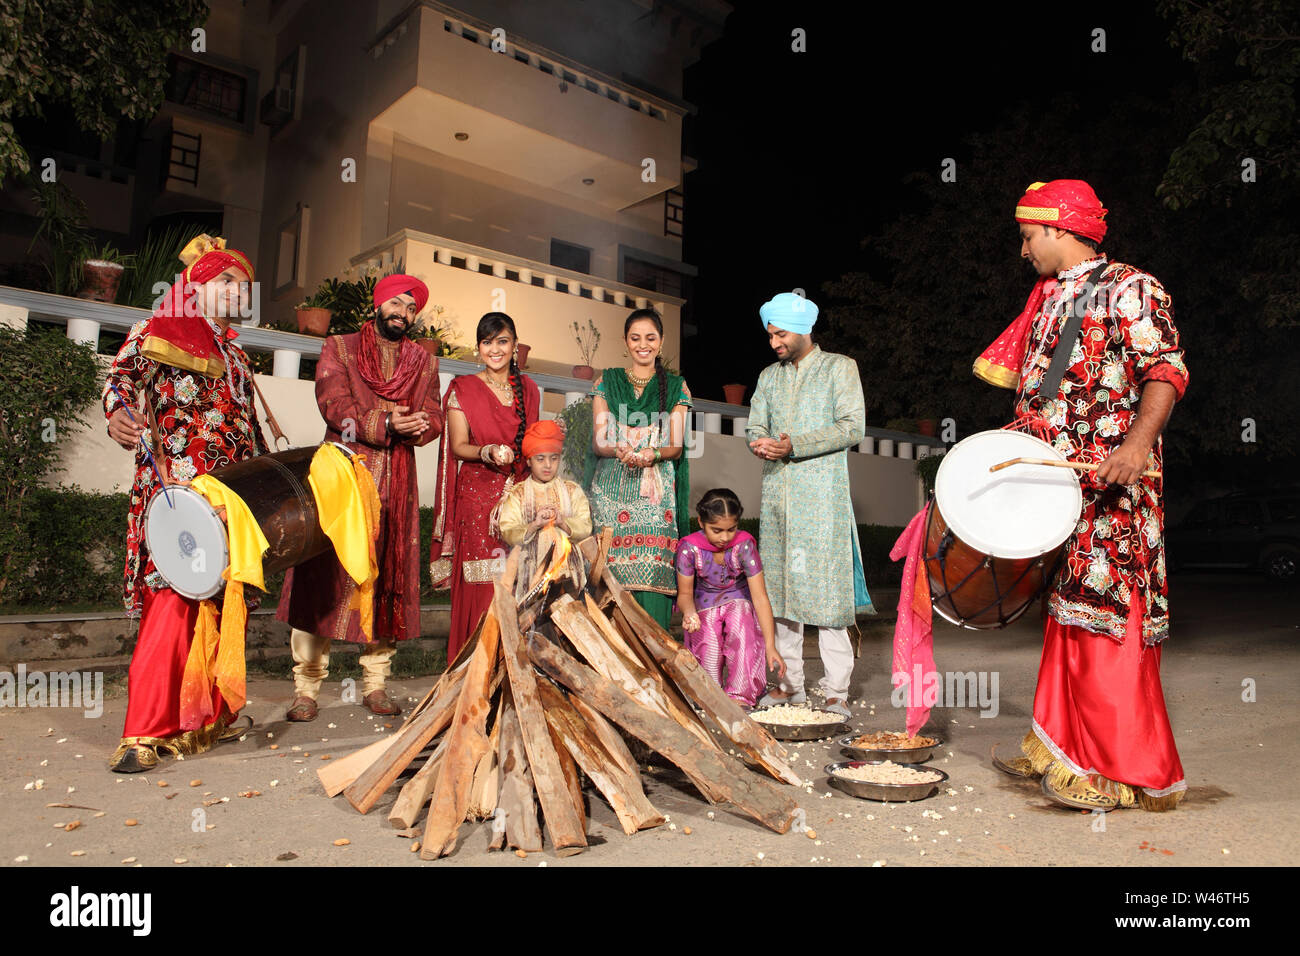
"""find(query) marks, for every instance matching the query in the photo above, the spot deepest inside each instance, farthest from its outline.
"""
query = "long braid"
(517, 383)
(662, 376)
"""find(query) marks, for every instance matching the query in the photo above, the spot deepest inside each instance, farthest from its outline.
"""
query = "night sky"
(802, 154)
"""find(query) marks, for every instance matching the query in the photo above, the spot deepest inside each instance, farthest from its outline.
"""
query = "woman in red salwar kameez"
(479, 459)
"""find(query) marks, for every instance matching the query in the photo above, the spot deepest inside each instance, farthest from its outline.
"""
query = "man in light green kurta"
(807, 411)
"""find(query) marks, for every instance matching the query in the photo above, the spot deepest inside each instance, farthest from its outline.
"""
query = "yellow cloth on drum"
(217, 651)
(347, 504)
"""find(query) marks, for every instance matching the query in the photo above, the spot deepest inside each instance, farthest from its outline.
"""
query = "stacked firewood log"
(534, 701)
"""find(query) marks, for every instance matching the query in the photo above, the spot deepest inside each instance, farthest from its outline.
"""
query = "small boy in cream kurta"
(542, 497)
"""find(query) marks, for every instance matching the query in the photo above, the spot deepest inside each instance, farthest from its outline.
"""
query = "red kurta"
(1098, 708)
(317, 594)
(465, 555)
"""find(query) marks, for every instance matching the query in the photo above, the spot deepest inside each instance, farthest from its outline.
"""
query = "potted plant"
(927, 424)
(101, 273)
(430, 334)
(522, 350)
(577, 422)
(314, 313)
(901, 425)
(734, 393)
(588, 339)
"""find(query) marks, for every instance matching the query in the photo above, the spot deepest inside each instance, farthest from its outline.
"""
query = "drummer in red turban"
(379, 394)
(182, 389)
(543, 498)
(1101, 736)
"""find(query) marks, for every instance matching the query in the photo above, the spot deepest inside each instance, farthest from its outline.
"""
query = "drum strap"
(277, 435)
(1069, 335)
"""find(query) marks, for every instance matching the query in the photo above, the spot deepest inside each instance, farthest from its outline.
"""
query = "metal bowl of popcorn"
(785, 722)
(886, 745)
(885, 780)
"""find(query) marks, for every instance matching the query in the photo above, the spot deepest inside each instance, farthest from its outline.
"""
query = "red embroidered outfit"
(466, 554)
(205, 422)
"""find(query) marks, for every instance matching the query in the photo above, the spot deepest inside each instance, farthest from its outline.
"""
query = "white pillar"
(571, 397)
(597, 293)
(499, 270)
(867, 446)
(13, 316)
(904, 449)
(548, 282)
(444, 257)
(85, 331)
(471, 263)
(886, 446)
(738, 426)
(526, 276)
(642, 302)
(575, 287)
(711, 423)
(444, 380)
(285, 363)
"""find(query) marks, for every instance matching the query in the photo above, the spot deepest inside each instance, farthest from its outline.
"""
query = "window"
(674, 211)
(1241, 512)
(1284, 509)
(567, 255)
(182, 159)
(207, 88)
(656, 278)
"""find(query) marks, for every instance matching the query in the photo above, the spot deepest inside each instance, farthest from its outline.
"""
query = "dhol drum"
(993, 540)
(187, 538)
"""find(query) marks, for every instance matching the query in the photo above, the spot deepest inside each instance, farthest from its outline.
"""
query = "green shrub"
(46, 383)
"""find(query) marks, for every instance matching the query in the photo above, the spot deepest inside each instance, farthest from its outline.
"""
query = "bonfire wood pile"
(562, 659)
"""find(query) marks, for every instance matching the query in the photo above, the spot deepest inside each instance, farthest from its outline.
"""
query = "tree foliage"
(941, 281)
(106, 60)
(1247, 57)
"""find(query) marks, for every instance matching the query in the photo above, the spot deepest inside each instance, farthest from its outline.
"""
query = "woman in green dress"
(637, 473)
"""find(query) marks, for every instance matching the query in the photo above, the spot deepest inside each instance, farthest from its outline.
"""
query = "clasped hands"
(547, 515)
(633, 458)
(402, 421)
(772, 449)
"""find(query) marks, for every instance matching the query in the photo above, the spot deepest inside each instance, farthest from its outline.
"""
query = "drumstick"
(147, 450)
(1080, 465)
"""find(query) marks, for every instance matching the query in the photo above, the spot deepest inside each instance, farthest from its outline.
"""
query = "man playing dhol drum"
(1101, 736)
(378, 393)
(183, 385)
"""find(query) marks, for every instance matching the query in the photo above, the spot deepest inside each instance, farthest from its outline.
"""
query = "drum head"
(1019, 512)
(187, 542)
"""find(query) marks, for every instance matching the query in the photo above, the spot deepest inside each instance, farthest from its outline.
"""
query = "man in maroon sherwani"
(378, 393)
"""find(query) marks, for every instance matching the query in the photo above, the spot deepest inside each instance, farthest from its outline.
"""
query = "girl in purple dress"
(726, 616)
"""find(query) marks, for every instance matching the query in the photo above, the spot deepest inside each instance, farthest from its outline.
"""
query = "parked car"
(1241, 530)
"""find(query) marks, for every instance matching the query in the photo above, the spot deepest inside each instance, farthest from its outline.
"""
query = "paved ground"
(1241, 760)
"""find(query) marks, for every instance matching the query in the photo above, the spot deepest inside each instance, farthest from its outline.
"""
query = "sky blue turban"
(789, 311)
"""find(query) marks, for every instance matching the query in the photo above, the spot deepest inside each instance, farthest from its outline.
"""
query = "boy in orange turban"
(543, 497)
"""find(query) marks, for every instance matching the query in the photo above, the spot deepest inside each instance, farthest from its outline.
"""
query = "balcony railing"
(561, 67)
(501, 265)
(84, 319)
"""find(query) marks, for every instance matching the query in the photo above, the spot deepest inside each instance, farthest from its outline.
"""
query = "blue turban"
(789, 311)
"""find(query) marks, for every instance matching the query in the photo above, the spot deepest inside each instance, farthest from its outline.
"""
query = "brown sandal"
(378, 702)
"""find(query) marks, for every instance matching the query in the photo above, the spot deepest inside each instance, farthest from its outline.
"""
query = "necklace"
(639, 382)
(502, 387)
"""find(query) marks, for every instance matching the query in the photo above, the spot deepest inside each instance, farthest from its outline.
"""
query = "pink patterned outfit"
(729, 638)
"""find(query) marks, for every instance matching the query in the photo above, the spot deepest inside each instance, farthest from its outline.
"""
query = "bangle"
(388, 423)
(658, 455)
(484, 451)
